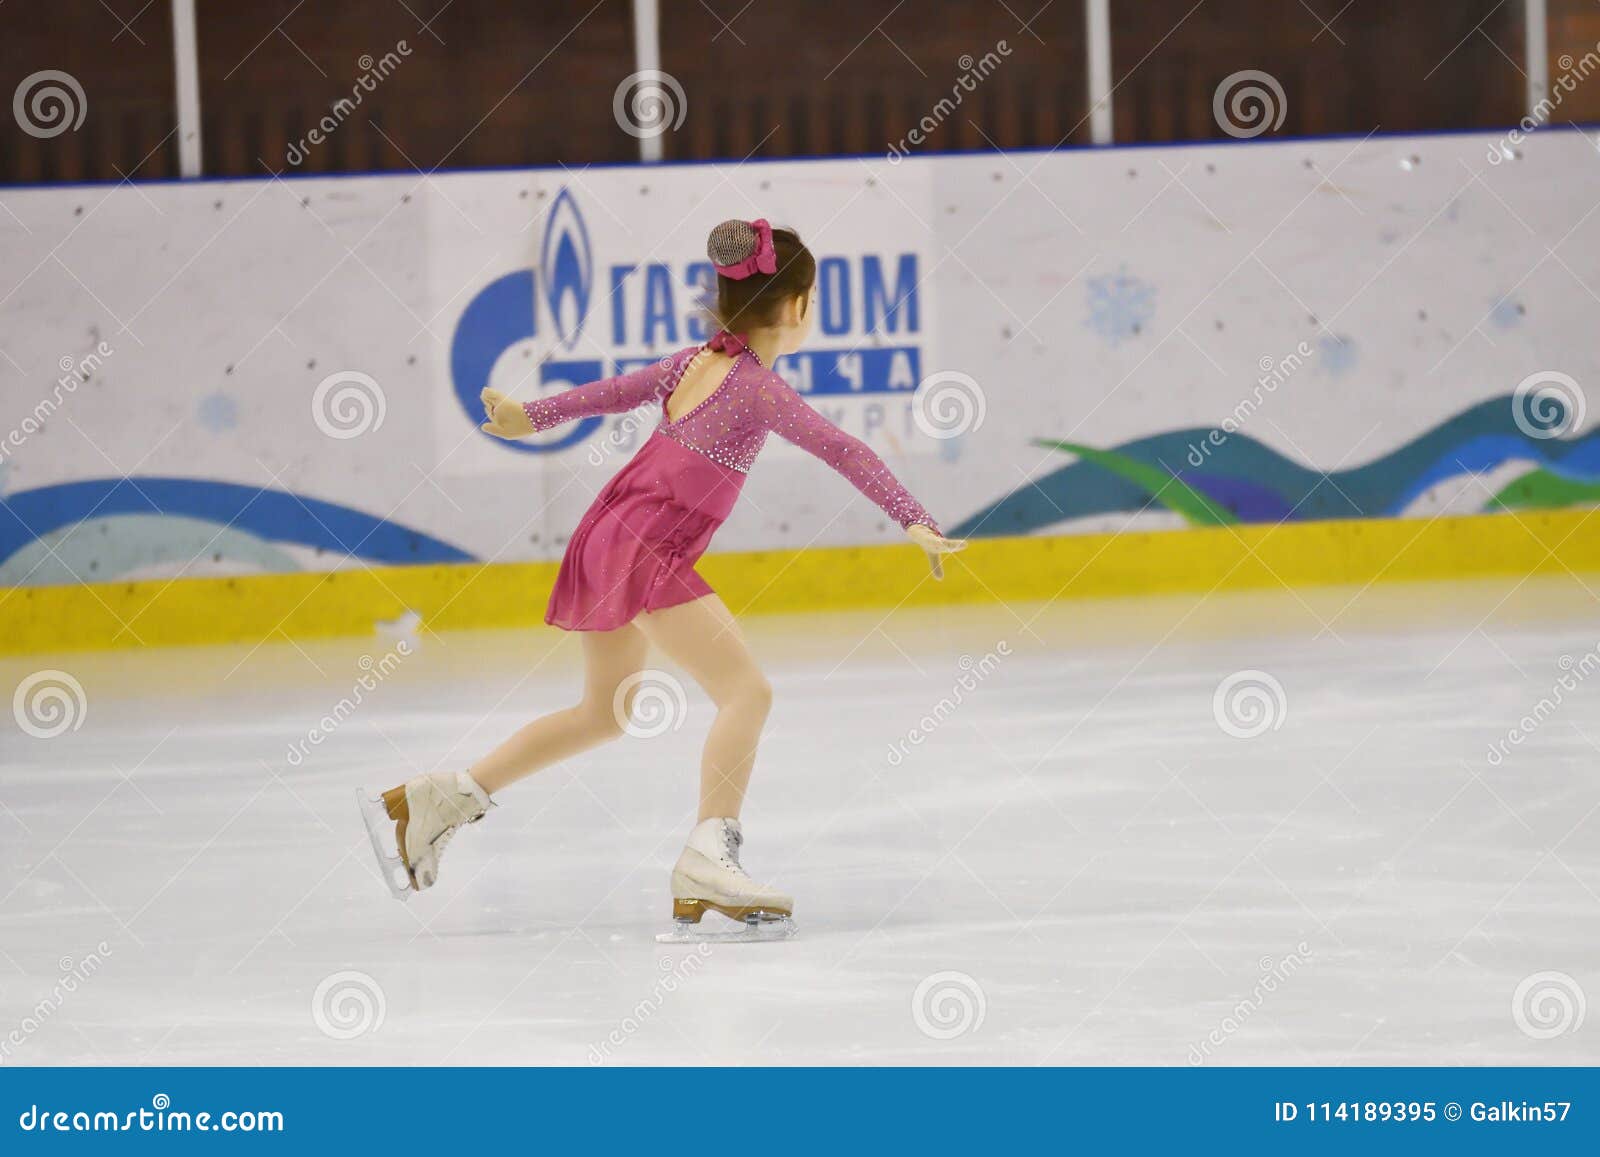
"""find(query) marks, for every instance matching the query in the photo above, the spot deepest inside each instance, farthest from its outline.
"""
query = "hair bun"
(731, 242)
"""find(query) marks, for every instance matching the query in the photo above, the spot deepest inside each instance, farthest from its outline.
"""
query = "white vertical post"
(647, 58)
(186, 54)
(1538, 53)
(1099, 14)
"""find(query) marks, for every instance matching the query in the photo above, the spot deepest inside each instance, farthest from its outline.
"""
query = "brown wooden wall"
(486, 82)
(519, 82)
(795, 78)
(1574, 34)
(122, 58)
(1377, 64)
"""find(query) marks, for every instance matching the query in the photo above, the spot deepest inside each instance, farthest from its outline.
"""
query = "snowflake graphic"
(1507, 313)
(1120, 306)
(218, 413)
(1338, 354)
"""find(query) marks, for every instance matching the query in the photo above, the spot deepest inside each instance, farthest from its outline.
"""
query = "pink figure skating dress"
(635, 548)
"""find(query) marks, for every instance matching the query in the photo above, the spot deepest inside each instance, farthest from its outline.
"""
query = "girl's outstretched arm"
(789, 416)
(508, 418)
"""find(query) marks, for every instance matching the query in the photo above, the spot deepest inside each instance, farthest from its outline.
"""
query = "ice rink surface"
(1074, 864)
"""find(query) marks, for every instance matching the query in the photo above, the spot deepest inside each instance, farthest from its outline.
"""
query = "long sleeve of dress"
(615, 395)
(788, 416)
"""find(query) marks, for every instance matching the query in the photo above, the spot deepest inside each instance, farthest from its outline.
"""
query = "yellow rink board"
(256, 607)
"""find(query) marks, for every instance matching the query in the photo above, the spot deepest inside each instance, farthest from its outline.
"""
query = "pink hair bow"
(732, 344)
(764, 259)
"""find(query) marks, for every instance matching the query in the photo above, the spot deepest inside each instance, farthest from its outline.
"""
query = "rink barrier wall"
(259, 608)
(312, 421)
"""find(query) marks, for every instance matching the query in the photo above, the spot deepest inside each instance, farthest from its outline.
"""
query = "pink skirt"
(635, 548)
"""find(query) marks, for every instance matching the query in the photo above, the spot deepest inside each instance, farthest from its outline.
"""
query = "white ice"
(1115, 877)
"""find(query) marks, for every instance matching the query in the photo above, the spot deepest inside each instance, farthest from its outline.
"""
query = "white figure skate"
(708, 877)
(411, 825)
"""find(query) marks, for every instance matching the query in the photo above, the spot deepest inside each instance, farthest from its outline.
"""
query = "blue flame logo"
(505, 313)
(567, 264)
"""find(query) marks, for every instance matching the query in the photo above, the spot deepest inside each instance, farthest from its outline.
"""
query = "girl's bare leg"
(609, 658)
(703, 638)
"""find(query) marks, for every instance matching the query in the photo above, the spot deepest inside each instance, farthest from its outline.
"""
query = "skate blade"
(756, 928)
(380, 828)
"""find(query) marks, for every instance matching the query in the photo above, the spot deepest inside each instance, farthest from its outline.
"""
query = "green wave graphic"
(1542, 490)
(1166, 488)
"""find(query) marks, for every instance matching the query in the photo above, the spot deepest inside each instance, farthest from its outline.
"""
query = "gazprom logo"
(578, 320)
(505, 313)
(568, 265)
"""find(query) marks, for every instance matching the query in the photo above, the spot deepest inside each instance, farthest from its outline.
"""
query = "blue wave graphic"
(271, 515)
(1255, 483)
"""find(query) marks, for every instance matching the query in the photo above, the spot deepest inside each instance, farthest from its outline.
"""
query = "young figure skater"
(628, 578)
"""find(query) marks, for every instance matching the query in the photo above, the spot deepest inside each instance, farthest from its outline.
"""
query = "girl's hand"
(935, 544)
(506, 418)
